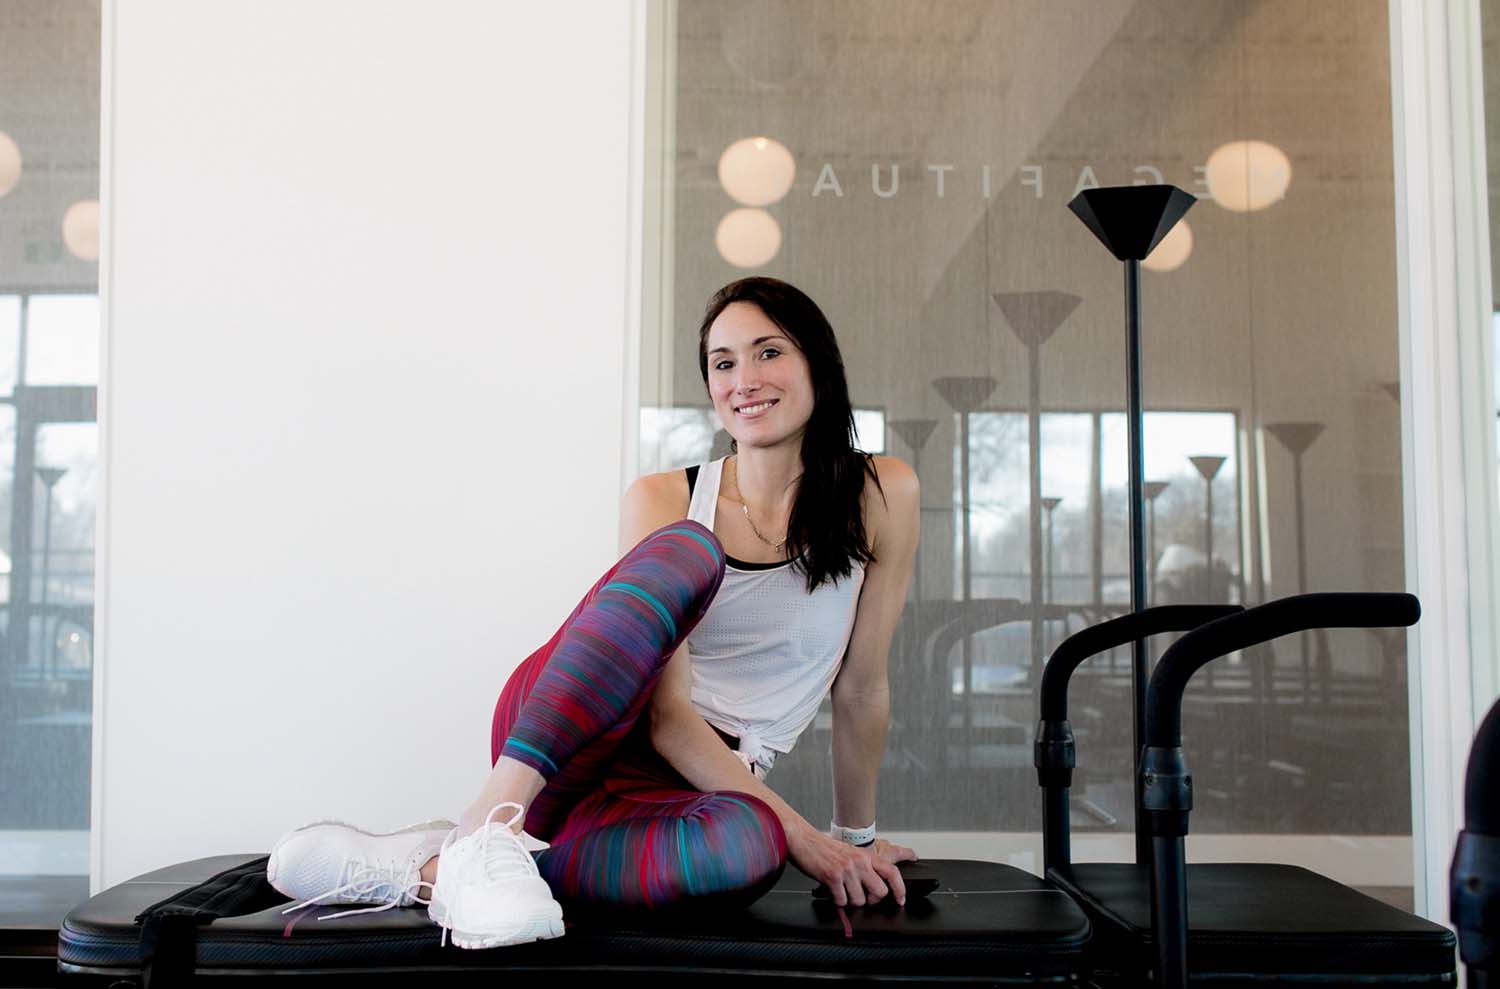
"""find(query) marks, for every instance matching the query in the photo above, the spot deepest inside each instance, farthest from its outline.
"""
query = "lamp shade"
(1131, 220)
(748, 238)
(1248, 175)
(757, 171)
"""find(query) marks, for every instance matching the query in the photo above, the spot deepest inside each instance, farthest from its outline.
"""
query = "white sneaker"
(488, 889)
(334, 862)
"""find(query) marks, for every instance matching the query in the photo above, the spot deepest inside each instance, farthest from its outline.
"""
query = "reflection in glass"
(869, 430)
(50, 631)
(49, 367)
(10, 335)
(935, 156)
(62, 340)
(675, 437)
(1183, 532)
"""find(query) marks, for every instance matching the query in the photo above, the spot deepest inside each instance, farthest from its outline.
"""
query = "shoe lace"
(500, 848)
(364, 879)
(502, 853)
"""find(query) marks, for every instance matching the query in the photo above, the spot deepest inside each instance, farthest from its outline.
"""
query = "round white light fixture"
(10, 163)
(80, 229)
(748, 238)
(1172, 251)
(1248, 175)
(757, 171)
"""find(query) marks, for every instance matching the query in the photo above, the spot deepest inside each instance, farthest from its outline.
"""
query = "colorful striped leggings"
(624, 826)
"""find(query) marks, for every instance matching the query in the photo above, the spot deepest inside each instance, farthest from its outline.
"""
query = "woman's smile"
(755, 411)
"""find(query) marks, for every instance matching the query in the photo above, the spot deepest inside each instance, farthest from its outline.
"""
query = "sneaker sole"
(540, 929)
(272, 863)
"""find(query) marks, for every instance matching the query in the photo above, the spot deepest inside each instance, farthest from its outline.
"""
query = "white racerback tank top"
(766, 653)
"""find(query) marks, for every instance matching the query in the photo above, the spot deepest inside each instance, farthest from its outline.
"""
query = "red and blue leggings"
(624, 826)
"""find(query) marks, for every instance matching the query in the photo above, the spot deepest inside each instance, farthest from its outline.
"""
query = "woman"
(636, 740)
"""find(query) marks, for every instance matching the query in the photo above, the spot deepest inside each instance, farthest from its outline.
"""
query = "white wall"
(366, 320)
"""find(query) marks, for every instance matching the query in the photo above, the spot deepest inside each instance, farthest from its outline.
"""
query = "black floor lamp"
(1297, 437)
(1033, 318)
(1049, 505)
(1153, 491)
(1130, 220)
(1208, 469)
(966, 395)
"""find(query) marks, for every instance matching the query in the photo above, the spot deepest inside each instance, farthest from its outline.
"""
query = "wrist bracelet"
(859, 837)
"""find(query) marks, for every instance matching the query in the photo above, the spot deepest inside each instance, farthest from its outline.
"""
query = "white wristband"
(853, 836)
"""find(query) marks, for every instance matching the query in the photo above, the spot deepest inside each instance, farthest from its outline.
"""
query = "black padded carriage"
(1246, 923)
(986, 924)
(1259, 923)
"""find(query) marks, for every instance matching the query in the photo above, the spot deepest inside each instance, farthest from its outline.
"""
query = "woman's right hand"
(854, 876)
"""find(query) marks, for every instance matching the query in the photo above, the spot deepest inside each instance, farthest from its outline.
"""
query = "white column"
(1448, 418)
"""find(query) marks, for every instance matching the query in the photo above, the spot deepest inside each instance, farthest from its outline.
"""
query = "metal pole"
(1208, 540)
(1056, 832)
(1051, 565)
(1096, 505)
(1302, 573)
(968, 591)
(1169, 879)
(964, 460)
(1208, 558)
(1151, 543)
(46, 644)
(1135, 419)
(1038, 657)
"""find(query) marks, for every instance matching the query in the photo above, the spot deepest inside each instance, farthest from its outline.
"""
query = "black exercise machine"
(984, 923)
(1055, 751)
(1261, 923)
(217, 919)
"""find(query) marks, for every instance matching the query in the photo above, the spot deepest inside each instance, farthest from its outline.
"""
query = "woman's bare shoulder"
(663, 491)
(894, 498)
(895, 476)
(652, 501)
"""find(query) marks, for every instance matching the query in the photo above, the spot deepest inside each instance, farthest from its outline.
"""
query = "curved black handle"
(1095, 639)
(1474, 877)
(1269, 621)
(1482, 782)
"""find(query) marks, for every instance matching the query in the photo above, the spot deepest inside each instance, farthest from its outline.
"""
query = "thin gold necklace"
(739, 497)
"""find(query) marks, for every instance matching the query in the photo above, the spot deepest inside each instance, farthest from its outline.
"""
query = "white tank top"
(766, 653)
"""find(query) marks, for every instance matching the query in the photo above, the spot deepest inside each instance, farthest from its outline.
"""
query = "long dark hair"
(826, 532)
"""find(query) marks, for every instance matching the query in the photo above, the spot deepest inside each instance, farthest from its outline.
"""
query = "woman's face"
(752, 362)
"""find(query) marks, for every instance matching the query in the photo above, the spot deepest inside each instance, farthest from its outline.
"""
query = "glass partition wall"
(49, 370)
(909, 168)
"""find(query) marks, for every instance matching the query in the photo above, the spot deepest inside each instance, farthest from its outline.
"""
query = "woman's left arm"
(861, 693)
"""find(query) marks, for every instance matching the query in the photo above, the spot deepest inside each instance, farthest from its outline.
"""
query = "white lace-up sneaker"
(334, 862)
(488, 890)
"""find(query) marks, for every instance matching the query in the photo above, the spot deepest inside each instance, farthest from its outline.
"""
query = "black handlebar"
(1482, 784)
(1054, 754)
(1474, 879)
(1165, 786)
(1270, 621)
(1116, 632)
